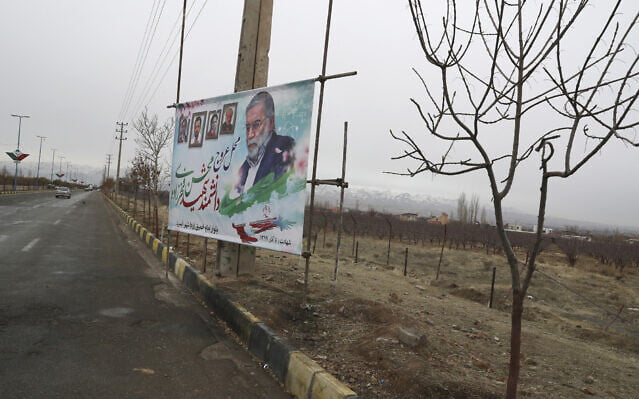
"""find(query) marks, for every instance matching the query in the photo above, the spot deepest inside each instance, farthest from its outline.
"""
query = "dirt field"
(574, 344)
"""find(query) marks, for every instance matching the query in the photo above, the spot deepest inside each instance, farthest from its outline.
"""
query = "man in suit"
(268, 152)
(197, 128)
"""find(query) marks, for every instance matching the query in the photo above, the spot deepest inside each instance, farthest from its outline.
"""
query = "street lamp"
(15, 176)
(42, 138)
(52, 163)
(60, 173)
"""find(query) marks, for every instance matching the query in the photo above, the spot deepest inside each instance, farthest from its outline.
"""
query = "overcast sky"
(68, 65)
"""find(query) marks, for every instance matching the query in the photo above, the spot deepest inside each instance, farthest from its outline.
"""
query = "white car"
(63, 192)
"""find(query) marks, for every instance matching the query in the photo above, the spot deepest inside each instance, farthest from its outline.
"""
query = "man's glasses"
(255, 125)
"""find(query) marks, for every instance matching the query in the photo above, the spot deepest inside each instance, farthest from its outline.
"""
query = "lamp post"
(52, 163)
(15, 176)
(42, 138)
(60, 173)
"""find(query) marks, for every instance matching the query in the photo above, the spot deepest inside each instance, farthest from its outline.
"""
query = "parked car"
(63, 192)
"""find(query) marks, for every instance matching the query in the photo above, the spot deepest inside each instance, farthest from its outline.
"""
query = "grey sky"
(68, 64)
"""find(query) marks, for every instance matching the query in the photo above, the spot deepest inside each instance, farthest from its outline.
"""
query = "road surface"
(85, 312)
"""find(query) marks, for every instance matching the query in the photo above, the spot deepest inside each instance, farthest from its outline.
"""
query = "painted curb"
(300, 374)
(24, 192)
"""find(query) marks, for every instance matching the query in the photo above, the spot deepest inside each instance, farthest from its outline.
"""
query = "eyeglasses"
(255, 125)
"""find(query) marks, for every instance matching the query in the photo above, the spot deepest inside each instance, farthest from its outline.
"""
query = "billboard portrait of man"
(228, 115)
(214, 123)
(183, 130)
(198, 130)
(268, 152)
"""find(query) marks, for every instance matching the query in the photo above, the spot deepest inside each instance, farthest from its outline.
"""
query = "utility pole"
(251, 73)
(15, 176)
(121, 138)
(42, 138)
(67, 171)
(108, 165)
(52, 163)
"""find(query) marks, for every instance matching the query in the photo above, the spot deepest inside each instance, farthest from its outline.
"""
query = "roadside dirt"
(575, 344)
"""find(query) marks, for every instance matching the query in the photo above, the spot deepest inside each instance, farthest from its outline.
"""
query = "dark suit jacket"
(277, 160)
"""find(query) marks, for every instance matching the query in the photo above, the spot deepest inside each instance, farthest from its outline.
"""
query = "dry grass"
(571, 341)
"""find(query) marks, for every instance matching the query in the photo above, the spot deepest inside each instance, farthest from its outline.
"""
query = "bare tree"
(504, 68)
(462, 208)
(473, 209)
(152, 139)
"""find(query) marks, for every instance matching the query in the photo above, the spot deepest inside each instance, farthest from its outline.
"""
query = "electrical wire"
(146, 53)
(137, 58)
(160, 61)
(175, 55)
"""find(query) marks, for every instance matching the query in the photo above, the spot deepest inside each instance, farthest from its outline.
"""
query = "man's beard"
(255, 153)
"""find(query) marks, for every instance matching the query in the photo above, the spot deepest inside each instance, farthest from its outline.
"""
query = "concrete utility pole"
(121, 138)
(15, 176)
(108, 165)
(251, 73)
(42, 138)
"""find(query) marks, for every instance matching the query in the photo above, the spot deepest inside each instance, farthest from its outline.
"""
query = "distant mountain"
(363, 198)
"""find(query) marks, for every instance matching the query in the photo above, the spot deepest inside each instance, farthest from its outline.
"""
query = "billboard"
(239, 166)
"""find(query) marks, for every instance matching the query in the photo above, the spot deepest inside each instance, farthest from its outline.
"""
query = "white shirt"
(250, 175)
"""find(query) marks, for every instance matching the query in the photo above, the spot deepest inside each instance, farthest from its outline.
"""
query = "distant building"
(408, 217)
(441, 219)
(545, 230)
(577, 237)
(513, 227)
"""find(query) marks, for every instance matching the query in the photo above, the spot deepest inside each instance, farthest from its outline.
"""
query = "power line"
(159, 65)
(146, 53)
(154, 24)
(137, 58)
(176, 54)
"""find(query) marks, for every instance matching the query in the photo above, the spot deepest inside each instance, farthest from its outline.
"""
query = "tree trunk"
(515, 345)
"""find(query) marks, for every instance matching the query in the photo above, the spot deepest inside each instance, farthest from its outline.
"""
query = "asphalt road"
(85, 312)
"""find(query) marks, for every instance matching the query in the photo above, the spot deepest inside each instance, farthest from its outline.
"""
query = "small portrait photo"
(213, 124)
(197, 131)
(228, 118)
(183, 130)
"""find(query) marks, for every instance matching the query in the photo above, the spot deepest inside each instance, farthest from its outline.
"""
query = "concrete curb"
(301, 376)
(24, 191)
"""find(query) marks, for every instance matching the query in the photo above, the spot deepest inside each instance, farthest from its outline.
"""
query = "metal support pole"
(204, 250)
(311, 207)
(390, 237)
(177, 98)
(492, 289)
(341, 204)
(441, 255)
(354, 233)
(405, 261)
